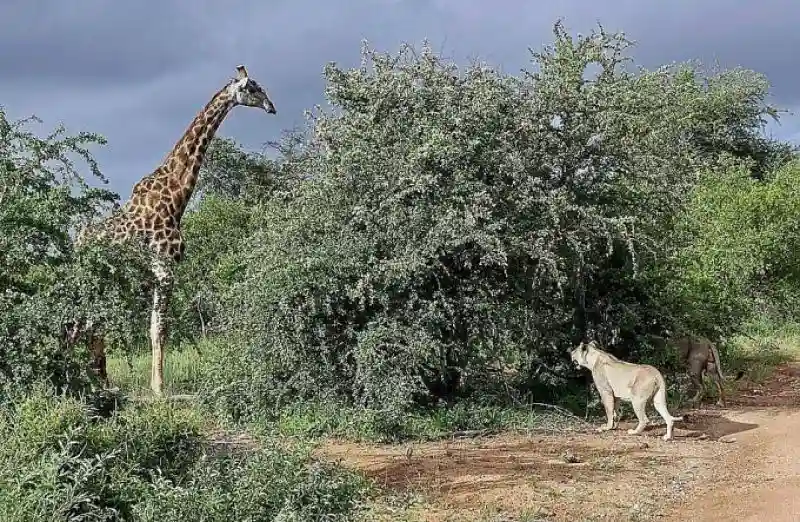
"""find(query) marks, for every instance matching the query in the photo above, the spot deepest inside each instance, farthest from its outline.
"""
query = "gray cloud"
(138, 72)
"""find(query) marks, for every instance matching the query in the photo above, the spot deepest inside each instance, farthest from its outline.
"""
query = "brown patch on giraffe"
(147, 185)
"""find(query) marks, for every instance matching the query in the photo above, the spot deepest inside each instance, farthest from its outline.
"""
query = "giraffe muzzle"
(269, 107)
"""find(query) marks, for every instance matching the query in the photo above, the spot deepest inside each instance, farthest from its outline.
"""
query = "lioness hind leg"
(660, 403)
(640, 408)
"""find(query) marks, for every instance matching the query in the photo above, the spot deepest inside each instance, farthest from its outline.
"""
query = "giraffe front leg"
(156, 342)
(158, 326)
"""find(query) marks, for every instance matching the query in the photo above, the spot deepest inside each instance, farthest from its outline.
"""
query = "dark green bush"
(44, 284)
(59, 463)
(454, 222)
(268, 484)
(149, 463)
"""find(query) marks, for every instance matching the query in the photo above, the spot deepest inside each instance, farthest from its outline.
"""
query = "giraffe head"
(246, 91)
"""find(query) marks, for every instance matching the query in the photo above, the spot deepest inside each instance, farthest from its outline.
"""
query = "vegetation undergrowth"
(755, 354)
(154, 461)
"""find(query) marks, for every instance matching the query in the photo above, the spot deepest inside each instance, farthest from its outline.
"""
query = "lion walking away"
(700, 356)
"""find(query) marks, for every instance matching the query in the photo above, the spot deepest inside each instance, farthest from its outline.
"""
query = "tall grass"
(183, 370)
(754, 354)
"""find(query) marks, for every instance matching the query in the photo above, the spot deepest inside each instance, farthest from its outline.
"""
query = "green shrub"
(742, 242)
(44, 284)
(267, 484)
(152, 462)
(58, 462)
(459, 220)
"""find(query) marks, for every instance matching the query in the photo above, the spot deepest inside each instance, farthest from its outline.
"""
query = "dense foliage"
(150, 463)
(459, 225)
(44, 283)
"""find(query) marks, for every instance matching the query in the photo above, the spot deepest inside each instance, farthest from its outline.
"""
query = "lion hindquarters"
(644, 382)
(660, 403)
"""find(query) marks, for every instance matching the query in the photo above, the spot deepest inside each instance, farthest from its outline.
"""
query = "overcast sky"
(138, 72)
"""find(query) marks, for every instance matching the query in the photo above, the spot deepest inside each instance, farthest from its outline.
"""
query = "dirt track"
(758, 479)
(738, 463)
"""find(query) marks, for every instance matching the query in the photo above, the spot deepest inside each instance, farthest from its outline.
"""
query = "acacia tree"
(44, 285)
(458, 220)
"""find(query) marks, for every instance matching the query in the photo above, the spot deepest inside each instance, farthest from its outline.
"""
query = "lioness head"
(579, 355)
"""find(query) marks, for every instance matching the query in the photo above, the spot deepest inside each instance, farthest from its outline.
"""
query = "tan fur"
(634, 383)
(701, 356)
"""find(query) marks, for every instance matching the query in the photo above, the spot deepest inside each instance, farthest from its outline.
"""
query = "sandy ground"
(735, 463)
(758, 479)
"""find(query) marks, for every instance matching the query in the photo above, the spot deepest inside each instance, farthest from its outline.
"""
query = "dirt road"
(737, 463)
(758, 479)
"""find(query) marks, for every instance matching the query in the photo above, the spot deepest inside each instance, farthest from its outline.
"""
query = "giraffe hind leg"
(97, 348)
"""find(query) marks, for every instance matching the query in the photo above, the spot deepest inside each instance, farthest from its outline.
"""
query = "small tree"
(43, 284)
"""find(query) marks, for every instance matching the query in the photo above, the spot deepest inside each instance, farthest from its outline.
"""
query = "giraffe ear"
(241, 72)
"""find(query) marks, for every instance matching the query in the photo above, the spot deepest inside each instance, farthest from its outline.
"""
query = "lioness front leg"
(608, 403)
(640, 408)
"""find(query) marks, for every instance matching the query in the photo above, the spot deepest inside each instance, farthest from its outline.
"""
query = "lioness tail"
(661, 396)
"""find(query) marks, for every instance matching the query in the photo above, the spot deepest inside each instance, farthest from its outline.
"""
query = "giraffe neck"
(182, 166)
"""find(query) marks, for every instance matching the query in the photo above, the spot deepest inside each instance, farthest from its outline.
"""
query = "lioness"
(635, 383)
(700, 355)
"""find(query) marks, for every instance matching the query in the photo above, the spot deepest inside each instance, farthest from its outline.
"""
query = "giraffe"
(153, 214)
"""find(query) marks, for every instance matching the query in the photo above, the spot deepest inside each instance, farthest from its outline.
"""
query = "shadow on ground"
(712, 424)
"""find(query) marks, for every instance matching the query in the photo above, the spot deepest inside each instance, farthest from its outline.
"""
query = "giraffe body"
(153, 213)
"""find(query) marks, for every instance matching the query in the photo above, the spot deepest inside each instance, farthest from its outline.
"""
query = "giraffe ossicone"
(153, 212)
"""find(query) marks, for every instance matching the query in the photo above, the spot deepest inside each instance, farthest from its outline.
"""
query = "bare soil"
(735, 463)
